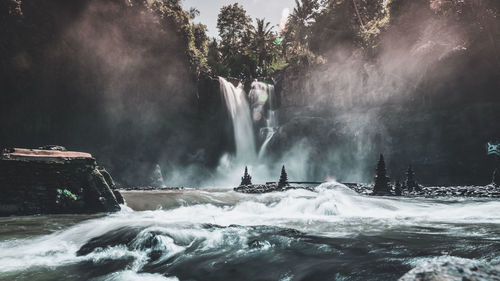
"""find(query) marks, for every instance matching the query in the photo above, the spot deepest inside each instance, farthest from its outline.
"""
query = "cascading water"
(239, 110)
(261, 94)
(244, 116)
(270, 130)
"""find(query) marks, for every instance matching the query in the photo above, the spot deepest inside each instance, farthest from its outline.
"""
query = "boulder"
(37, 181)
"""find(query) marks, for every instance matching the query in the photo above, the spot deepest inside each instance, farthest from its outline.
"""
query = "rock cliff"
(36, 181)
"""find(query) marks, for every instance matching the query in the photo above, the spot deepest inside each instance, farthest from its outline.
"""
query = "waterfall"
(270, 130)
(260, 95)
(239, 111)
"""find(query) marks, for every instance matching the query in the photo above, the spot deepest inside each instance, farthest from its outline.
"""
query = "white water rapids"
(222, 225)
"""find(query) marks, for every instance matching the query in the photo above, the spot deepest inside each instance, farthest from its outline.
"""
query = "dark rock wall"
(108, 77)
(443, 134)
(30, 187)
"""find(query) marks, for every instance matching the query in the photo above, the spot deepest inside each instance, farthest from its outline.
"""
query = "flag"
(493, 148)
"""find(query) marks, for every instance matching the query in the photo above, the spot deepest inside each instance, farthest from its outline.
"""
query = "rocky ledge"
(269, 187)
(51, 180)
(488, 191)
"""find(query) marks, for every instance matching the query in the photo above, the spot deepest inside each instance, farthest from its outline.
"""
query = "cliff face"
(54, 182)
(440, 126)
(427, 96)
(107, 77)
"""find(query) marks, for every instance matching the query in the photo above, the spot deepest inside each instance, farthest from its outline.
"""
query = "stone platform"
(54, 181)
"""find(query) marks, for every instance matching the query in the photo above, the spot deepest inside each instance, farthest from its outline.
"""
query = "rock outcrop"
(36, 181)
(453, 270)
(267, 188)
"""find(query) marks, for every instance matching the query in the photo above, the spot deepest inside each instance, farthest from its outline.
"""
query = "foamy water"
(207, 234)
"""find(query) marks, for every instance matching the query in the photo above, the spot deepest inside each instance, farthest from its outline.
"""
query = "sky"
(271, 10)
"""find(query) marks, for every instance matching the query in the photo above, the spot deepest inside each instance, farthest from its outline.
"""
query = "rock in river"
(54, 181)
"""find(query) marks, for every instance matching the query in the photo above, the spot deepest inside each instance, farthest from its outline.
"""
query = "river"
(330, 233)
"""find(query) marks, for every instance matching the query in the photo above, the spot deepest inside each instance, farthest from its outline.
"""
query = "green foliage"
(314, 28)
(262, 46)
(278, 65)
(298, 28)
(233, 24)
(200, 38)
(193, 36)
(65, 194)
(214, 59)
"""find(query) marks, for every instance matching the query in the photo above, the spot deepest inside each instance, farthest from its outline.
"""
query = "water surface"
(331, 233)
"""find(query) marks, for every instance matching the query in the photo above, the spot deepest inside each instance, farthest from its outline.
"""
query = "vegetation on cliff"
(131, 80)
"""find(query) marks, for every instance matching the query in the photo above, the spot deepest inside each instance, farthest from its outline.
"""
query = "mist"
(118, 80)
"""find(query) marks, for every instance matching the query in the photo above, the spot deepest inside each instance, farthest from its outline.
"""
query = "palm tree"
(262, 37)
(297, 29)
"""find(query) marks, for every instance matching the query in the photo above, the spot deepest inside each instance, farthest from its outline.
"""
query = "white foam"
(130, 275)
(331, 210)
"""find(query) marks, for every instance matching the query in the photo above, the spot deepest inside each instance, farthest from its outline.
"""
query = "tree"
(246, 179)
(410, 183)
(193, 13)
(262, 44)
(381, 179)
(348, 24)
(214, 59)
(283, 178)
(172, 16)
(301, 19)
(200, 38)
(297, 30)
(233, 24)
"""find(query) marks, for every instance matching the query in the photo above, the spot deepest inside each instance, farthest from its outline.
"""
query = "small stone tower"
(411, 184)
(381, 179)
(283, 178)
(246, 179)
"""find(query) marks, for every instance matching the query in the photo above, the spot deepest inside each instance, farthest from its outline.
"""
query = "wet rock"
(268, 187)
(54, 181)
(98, 188)
(256, 244)
(120, 236)
(453, 270)
(119, 197)
(488, 191)
(107, 177)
